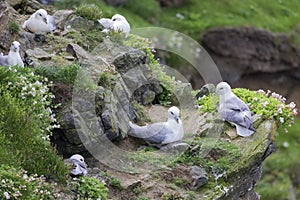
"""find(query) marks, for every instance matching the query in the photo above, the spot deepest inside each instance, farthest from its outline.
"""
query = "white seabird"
(13, 58)
(80, 167)
(116, 23)
(40, 22)
(234, 110)
(161, 132)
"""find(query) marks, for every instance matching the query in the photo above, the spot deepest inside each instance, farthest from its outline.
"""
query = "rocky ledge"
(215, 163)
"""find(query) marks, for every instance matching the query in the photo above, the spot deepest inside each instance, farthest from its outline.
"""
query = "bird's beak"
(45, 19)
(177, 119)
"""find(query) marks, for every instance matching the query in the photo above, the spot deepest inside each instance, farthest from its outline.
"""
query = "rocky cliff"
(212, 163)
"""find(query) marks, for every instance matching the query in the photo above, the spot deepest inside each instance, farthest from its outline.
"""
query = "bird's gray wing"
(3, 60)
(237, 112)
(52, 22)
(106, 23)
(154, 133)
(76, 162)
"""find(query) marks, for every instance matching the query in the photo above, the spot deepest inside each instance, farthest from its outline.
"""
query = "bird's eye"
(40, 14)
(81, 160)
(114, 19)
(172, 113)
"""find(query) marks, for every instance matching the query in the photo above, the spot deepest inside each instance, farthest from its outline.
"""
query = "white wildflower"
(7, 196)
(294, 112)
(265, 103)
(292, 105)
(281, 119)
(286, 144)
(25, 176)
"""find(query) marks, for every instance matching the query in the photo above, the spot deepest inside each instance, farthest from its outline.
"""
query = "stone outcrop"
(241, 51)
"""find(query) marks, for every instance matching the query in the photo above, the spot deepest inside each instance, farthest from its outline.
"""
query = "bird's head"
(77, 157)
(118, 17)
(41, 14)
(173, 113)
(223, 88)
(15, 46)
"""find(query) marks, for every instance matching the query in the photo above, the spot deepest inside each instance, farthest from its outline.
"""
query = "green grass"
(66, 74)
(281, 169)
(277, 16)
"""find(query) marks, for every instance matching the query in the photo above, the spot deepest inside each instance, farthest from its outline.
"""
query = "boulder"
(247, 50)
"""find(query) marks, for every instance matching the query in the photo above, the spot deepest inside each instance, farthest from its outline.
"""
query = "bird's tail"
(138, 131)
(242, 131)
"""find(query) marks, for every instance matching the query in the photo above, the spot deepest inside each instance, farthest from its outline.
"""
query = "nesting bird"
(80, 167)
(40, 22)
(234, 110)
(162, 132)
(116, 23)
(13, 57)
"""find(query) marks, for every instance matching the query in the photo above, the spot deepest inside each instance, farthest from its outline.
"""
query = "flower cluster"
(17, 184)
(276, 104)
(34, 92)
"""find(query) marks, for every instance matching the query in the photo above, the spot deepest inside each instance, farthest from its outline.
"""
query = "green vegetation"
(26, 122)
(196, 16)
(143, 198)
(145, 9)
(89, 188)
(107, 79)
(268, 104)
(222, 155)
(17, 184)
(172, 196)
(281, 169)
(89, 11)
(13, 27)
(140, 112)
(65, 74)
(113, 181)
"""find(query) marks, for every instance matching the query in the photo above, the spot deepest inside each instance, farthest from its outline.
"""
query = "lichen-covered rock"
(125, 58)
